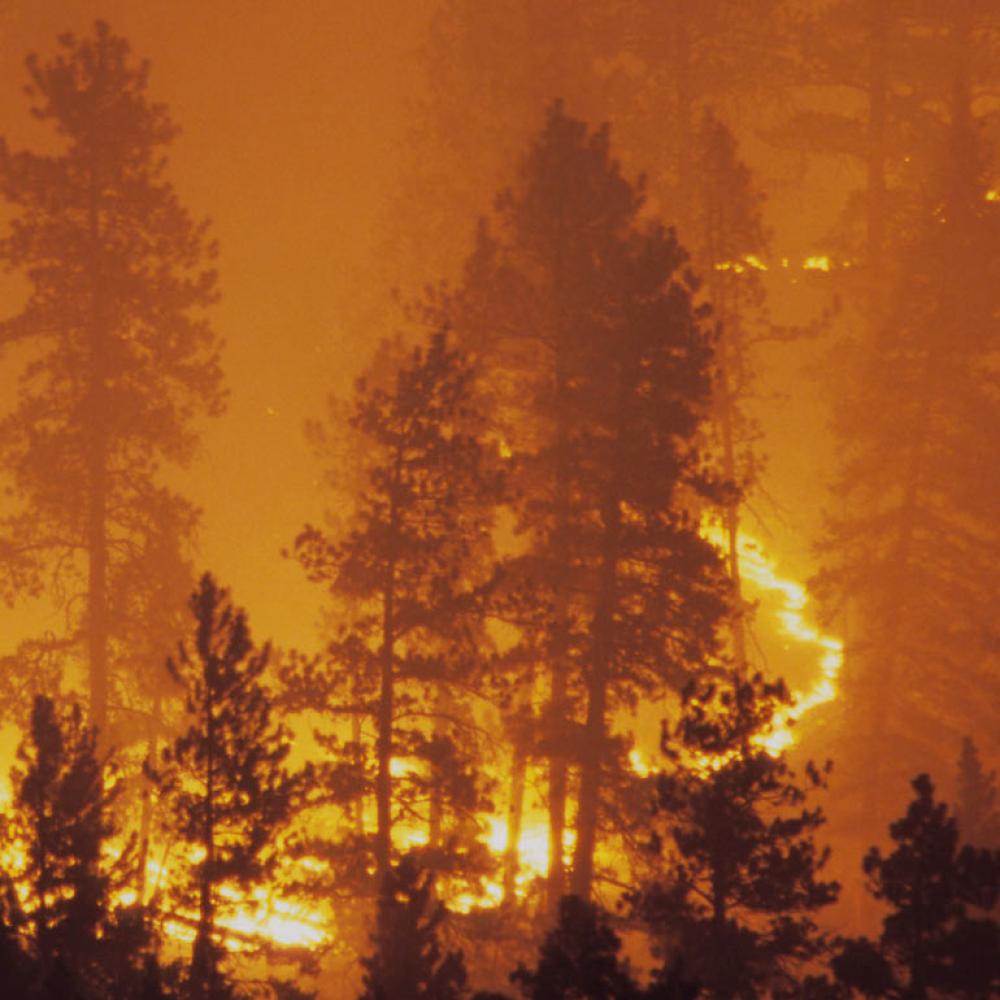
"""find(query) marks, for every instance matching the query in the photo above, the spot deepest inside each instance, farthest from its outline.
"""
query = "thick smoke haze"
(292, 121)
(593, 369)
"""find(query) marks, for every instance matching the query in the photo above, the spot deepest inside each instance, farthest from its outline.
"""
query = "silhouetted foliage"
(120, 359)
(596, 367)
(579, 959)
(224, 779)
(407, 962)
(414, 565)
(61, 819)
(62, 932)
(744, 879)
(931, 942)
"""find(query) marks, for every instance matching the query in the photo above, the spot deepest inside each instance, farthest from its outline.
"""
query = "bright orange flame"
(793, 622)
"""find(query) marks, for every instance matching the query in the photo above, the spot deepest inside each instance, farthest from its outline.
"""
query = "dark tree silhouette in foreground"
(62, 819)
(407, 962)
(579, 959)
(936, 939)
(745, 880)
(225, 779)
(61, 930)
(121, 360)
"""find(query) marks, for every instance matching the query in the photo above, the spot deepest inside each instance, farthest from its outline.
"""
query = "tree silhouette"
(930, 944)
(407, 961)
(976, 811)
(579, 959)
(744, 884)
(62, 930)
(915, 489)
(595, 366)
(415, 559)
(729, 240)
(120, 358)
(225, 778)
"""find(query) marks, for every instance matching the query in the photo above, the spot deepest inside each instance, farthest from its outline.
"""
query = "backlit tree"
(120, 358)
(414, 564)
(224, 779)
(744, 880)
(936, 940)
(595, 364)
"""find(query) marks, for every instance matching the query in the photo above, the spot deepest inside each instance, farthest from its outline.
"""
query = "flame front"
(793, 623)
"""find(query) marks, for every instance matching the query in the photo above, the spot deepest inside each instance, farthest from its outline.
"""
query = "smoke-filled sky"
(295, 122)
(291, 119)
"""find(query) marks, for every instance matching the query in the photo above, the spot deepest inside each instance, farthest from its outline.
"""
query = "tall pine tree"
(225, 778)
(597, 368)
(121, 357)
(414, 562)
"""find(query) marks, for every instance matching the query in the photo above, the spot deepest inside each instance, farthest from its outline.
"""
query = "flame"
(821, 263)
(751, 262)
(793, 623)
(263, 917)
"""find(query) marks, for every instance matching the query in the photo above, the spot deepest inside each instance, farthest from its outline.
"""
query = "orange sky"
(294, 117)
(291, 115)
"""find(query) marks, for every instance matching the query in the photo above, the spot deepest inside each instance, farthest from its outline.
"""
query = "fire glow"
(265, 918)
(792, 623)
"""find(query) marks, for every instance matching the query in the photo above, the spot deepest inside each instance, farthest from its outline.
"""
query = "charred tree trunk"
(522, 732)
(595, 728)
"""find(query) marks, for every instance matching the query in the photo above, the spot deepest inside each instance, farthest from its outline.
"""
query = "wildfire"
(793, 623)
(263, 918)
(751, 262)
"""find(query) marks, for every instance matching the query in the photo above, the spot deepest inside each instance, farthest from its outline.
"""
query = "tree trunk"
(558, 777)
(97, 480)
(595, 731)
(203, 958)
(878, 90)
(385, 710)
(515, 819)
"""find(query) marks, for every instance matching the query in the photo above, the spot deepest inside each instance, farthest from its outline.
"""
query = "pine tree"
(407, 961)
(414, 562)
(585, 313)
(976, 813)
(916, 483)
(931, 944)
(118, 273)
(745, 878)
(675, 61)
(225, 779)
(730, 241)
(579, 959)
(61, 819)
